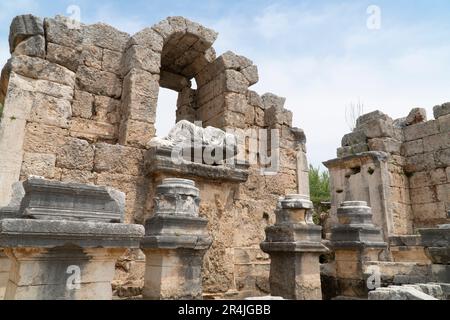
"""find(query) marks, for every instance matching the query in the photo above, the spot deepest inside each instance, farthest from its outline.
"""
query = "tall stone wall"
(80, 104)
(400, 167)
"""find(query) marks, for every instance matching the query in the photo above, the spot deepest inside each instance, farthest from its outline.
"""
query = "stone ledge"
(158, 160)
(370, 155)
(48, 234)
(299, 246)
(176, 242)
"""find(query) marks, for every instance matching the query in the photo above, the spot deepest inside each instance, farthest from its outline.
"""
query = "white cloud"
(322, 60)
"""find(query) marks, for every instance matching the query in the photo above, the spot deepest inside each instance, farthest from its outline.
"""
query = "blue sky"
(320, 55)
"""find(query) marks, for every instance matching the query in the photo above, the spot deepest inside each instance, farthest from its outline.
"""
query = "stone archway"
(167, 55)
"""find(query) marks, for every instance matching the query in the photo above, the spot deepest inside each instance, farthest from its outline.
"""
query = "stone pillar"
(64, 241)
(437, 248)
(5, 266)
(175, 242)
(355, 241)
(294, 245)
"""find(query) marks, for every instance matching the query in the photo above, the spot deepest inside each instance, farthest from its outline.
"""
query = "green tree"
(319, 184)
(1, 110)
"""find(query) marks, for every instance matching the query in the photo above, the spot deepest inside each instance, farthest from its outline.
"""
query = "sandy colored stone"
(99, 82)
(136, 133)
(32, 47)
(37, 68)
(83, 104)
(51, 111)
(107, 109)
(92, 130)
(64, 56)
(111, 61)
(141, 57)
(38, 164)
(78, 176)
(75, 154)
(41, 138)
(118, 159)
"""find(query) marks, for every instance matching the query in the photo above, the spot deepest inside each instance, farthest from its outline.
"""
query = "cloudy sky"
(321, 55)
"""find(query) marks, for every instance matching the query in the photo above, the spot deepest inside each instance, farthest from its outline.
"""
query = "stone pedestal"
(355, 241)
(175, 242)
(67, 251)
(294, 245)
(437, 248)
(5, 266)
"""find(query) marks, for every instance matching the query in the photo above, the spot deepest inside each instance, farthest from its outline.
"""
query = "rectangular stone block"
(353, 138)
(64, 56)
(424, 195)
(442, 158)
(136, 133)
(118, 159)
(420, 162)
(23, 27)
(92, 130)
(111, 61)
(421, 130)
(38, 164)
(420, 179)
(139, 107)
(37, 68)
(51, 111)
(142, 82)
(60, 31)
(140, 57)
(444, 123)
(78, 176)
(99, 82)
(429, 215)
(106, 37)
(437, 142)
(40, 138)
(92, 57)
(83, 104)
(442, 110)
(106, 109)
(388, 145)
(32, 47)
(235, 81)
(75, 154)
(413, 147)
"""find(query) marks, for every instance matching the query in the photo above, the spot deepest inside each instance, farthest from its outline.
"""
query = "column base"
(295, 276)
(5, 266)
(173, 274)
(63, 273)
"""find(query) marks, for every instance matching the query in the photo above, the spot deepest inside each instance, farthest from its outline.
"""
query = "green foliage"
(319, 184)
(1, 110)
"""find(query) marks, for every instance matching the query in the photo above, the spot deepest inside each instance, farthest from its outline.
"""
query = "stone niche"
(80, 104)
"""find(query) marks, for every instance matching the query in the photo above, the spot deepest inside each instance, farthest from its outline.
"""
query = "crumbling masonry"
(80, 104)
(87, 189)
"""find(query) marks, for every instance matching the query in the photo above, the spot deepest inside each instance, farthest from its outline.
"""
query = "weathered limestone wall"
(80, 106)
(401, 168)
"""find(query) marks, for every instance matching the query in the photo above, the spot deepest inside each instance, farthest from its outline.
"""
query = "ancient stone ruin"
(401, 170)
(94, 205)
